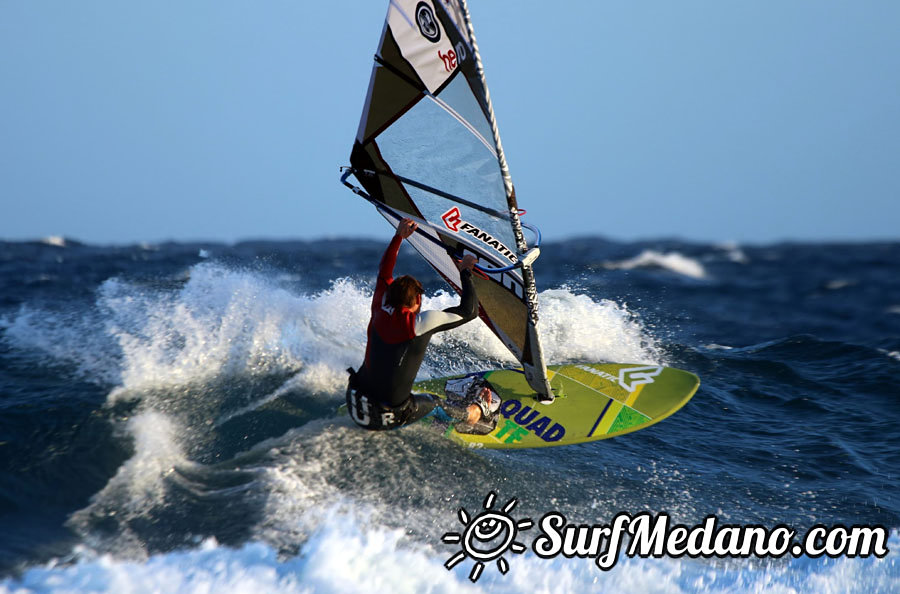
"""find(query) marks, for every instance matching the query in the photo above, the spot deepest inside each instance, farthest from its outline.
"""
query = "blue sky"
(712, 121)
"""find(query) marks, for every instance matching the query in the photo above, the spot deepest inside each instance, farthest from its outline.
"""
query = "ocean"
(168, 419)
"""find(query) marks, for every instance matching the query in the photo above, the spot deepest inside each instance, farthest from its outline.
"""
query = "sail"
(428, 148)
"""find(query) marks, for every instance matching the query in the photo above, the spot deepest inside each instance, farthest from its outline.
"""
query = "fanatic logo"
(452, 219)
(487, 536)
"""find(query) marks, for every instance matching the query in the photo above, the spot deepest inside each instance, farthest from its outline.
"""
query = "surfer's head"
(406, 292)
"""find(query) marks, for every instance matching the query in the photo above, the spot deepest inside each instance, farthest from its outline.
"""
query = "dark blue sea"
(167, 418)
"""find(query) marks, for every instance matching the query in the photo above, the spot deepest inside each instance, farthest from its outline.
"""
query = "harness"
(369, 413)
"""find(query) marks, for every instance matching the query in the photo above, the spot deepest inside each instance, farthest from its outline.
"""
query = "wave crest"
(671, 261)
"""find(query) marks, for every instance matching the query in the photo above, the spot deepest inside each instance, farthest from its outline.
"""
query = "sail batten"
(428, 147)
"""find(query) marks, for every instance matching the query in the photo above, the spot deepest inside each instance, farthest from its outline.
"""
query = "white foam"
(576, 328)
(573, 327)
(225, 322)
(672, 261)
(286, 388)
(65, 337)
(138, 484)
(54, 240)
(733, 252)
(839, 283)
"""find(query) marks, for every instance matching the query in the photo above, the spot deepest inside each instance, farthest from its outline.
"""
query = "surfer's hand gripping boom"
(468, 262)
(406, 228)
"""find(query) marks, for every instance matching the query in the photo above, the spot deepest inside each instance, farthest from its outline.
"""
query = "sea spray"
(671, 261)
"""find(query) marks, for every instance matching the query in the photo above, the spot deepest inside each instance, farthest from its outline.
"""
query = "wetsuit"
(378, 396)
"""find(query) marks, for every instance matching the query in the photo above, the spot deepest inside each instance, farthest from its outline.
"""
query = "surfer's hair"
(403, 292)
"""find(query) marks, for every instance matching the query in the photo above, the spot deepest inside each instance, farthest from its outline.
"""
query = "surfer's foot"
(488, 404)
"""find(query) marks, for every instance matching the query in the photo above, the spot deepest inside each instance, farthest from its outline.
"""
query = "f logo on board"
(632, 377)
(452, 219)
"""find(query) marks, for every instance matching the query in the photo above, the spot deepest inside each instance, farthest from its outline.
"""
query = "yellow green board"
(593, 401)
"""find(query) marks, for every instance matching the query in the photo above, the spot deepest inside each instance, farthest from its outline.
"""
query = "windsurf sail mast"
(428, 148)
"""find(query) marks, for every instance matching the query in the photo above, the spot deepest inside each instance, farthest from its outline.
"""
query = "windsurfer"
(378, 395)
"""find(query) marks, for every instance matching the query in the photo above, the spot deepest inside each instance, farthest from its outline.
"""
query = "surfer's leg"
(419, 406)
(484, 406)
(459, 412)
(360, 408)
(374, 416)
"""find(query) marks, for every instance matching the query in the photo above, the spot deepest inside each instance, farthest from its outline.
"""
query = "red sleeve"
(386, 269)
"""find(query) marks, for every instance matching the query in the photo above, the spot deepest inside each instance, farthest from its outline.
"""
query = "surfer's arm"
(468, 302)
(386, 268)
(389, 259)
(439, 321)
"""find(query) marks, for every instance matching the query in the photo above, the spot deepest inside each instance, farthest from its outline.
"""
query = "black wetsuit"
(378, 396)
